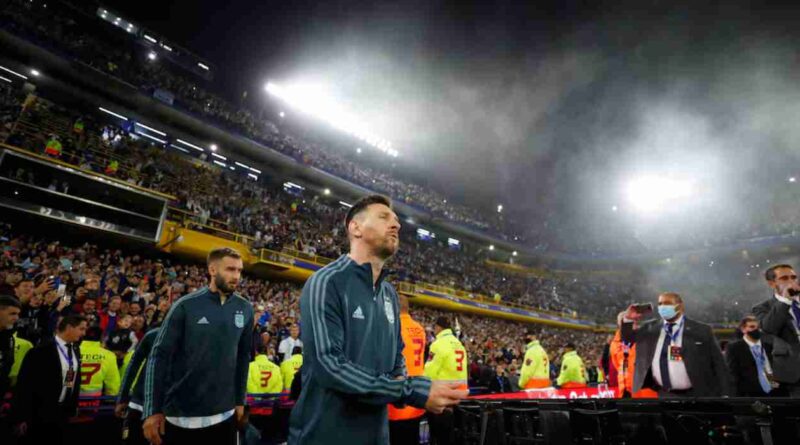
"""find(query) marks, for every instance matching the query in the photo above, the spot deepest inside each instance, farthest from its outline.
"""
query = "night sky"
(546, 107)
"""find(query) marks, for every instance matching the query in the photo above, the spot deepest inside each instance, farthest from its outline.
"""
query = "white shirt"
(788, 302)
(62, 349)
(287, 346)
(750, 343)
(678, 377)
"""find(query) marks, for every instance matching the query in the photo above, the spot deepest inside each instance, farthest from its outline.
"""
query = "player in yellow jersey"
(447, 361)
(290, 367)
(99, 372)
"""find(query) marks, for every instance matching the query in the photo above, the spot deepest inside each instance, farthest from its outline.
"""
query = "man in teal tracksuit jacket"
(353, 362)
(196, 374)
(133, 400)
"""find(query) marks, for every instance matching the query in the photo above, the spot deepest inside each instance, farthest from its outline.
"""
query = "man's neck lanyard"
(677, 330)
(68, 357)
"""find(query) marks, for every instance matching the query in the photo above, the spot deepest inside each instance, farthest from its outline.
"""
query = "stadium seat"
(520, 424)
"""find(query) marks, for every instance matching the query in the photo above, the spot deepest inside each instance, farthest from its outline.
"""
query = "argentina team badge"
(238, 319)
(388, 308)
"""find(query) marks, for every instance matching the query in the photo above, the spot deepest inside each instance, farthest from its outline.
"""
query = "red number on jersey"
(460, 360)
(88, 370)
(265, 376)
(419, 350)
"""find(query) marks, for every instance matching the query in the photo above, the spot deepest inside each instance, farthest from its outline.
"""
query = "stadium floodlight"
(358, 150)
(327, 191)
(651, 193)
(151, 129)
(221, 164)
(150, 39)
(250, 175)
(500, 208)
(282, 114)
(112, 113)
(179, 148)
(241, 165)
(219, 156)
(166, 47)
(289, 184)
(514, 253)
(614, 208)
(151, 137)
(255, 170)
(203, 66)
(5, 79)
(151, 55)
(213, 147)
(35, 72)
(190, 145)
(313, 101)
(491, 247)
(10, 71)
(792, 179)
(345, 204)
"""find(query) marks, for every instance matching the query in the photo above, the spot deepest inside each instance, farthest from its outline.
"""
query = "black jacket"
(499, 384)
(742, 365)
(6, 358)
(701, 354)
(776, 321)
(39, 386)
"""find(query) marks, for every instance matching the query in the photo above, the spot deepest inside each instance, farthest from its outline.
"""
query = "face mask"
(755, 335)
(667, 311)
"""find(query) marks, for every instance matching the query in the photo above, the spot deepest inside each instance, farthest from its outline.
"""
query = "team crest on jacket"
(238, 319)
(388, 308)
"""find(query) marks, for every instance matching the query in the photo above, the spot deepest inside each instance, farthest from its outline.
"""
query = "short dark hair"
(9, 301)
(747, 319)
(297, 350)
(570, 346)
(70, 320)
(362, 205)
(443, 322)
(94, 333)
(770, 273)
(222, 252)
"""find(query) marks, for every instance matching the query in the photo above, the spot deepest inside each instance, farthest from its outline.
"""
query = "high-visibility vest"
(535, 371)
(99, 371)
(413, 335)
(21, 348)
(289, 368)
(573, 371)
(78, 127)
(112, 168)
(53, 147)
(626, 369)
(448, 359)
(263, 377)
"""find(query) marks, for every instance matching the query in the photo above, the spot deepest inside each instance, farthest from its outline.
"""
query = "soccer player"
(447, 362)
(353, 353)
(197, 372)
(130, 402)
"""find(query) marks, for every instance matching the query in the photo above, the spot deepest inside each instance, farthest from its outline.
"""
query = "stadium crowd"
(116, 54)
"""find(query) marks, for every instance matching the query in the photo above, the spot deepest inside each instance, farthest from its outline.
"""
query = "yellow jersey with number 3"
(264, 377)
(447, 359)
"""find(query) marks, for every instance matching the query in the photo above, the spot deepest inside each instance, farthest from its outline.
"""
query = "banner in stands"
(605, 392)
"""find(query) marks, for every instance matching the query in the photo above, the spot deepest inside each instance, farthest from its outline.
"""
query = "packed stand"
(69, 32)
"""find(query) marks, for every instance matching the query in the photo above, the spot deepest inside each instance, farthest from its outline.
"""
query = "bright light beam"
(652, 193)
(313, 102)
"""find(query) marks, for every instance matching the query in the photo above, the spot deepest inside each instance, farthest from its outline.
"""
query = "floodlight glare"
(651, 193)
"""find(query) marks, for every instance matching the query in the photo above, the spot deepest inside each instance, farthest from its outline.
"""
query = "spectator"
(289, 343)
(9, 314)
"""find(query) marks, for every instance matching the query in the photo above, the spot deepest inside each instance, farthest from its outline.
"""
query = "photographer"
(780, 317)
